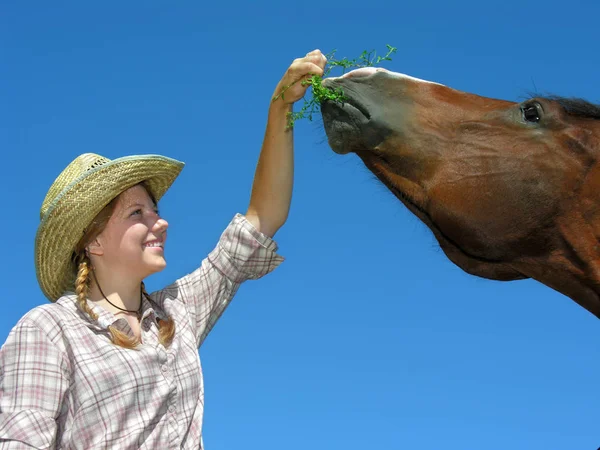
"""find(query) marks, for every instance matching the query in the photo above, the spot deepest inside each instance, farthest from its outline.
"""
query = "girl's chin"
(156, 265)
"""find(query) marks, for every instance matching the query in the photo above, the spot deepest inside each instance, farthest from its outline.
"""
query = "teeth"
(153, 244)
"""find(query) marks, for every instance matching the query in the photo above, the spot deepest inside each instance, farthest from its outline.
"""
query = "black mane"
(577, 107)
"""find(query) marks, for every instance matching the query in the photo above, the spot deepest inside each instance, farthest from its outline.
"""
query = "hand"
(293, 86)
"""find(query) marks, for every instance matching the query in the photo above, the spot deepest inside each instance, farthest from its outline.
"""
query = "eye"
(532, 112)
(136, 212)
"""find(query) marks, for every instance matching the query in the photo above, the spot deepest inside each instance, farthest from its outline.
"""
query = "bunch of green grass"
(320, 93)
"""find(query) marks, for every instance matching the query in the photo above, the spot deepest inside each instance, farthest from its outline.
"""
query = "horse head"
(510, 190)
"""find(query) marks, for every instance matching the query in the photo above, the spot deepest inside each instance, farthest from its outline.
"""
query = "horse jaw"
(415, 200)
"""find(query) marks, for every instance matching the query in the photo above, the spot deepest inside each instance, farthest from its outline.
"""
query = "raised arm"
(274, 176)
(246, 249)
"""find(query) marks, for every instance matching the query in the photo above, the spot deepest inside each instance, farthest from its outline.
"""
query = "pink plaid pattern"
(63, 384)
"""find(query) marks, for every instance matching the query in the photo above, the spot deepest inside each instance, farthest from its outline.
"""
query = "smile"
(154, 244)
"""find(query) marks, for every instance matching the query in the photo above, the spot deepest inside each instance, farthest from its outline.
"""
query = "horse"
(510, 190)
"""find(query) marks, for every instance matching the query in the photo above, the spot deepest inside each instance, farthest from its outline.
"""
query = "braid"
(123, 339)
(82, 285)
(166, 328)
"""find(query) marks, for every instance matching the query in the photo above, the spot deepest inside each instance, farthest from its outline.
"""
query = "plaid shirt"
(63, 384)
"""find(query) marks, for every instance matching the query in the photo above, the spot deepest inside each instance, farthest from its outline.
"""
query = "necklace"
(137, 312)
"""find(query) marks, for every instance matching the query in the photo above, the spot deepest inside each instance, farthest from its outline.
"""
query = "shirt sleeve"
(242, 253)
(33, 382)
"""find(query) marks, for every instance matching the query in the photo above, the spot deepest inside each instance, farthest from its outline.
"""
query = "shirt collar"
(150, 310)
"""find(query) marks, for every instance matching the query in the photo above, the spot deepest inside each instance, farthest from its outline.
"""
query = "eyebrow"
(139, 205)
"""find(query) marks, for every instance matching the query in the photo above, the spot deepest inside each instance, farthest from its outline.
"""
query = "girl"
(106, 365)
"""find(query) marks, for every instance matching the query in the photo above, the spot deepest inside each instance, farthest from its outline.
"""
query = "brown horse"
(510, 190)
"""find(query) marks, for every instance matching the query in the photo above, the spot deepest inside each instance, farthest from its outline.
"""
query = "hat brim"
(77, 205)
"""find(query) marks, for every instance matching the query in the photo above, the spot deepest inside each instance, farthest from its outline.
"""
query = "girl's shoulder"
(52, 318)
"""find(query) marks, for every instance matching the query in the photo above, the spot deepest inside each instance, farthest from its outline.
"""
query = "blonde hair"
(166, 328)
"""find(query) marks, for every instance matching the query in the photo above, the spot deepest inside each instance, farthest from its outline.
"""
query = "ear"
(95, 248)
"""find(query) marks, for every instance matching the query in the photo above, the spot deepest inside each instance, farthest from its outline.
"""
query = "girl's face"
(132, 243)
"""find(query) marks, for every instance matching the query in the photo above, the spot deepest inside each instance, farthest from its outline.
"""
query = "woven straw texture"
(77, 195)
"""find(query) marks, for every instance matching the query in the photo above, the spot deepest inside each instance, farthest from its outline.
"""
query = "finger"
(314, 52)
(320, 61)
(317, 57)
(305, 67)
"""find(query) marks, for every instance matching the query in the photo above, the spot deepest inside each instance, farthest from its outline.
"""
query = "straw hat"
(79, 193)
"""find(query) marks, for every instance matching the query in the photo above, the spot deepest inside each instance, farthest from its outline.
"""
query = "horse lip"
(344, 121)
(352, 103)
(360, 107)
(346, 99)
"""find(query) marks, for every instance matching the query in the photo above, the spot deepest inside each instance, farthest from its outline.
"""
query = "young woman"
(106, 365)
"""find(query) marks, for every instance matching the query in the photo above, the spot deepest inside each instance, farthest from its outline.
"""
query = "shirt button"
(165, 369)
(171, 409)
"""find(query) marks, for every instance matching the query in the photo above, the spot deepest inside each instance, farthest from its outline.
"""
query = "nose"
(160, 226)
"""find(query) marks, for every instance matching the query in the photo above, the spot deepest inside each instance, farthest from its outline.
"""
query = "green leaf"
(320, 93)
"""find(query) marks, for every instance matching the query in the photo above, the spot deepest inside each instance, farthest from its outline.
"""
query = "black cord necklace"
(137, 312)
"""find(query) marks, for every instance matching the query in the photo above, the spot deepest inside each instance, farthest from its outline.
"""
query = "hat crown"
(80, 165)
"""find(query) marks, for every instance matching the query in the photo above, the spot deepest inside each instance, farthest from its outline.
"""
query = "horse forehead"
(366, 71)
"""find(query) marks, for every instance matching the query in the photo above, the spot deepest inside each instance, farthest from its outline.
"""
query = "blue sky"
(367, 337)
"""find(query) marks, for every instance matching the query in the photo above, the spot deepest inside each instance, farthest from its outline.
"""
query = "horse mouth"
(344, 122)
(353, 105)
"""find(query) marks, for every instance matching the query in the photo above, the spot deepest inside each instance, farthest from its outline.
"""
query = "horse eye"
(531, 113)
